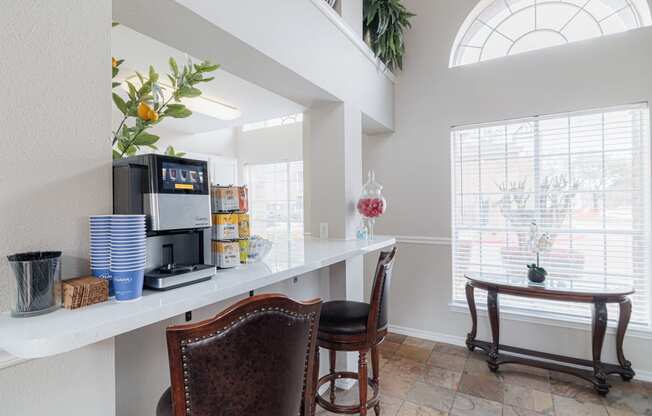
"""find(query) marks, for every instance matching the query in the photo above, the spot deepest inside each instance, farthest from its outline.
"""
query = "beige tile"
(529, 399)
(409, 409)
(395, 338)
(433, 397)
(466, 405)
(575, 388)
(632, 396)
(447, 361)
(398, 376)
(441, 377)
(618, 412)
(388, 348)
(413, 352)
(565, 406)
(518, 411)
(389, 406)
(479, 367)
(522, 376)
(420, 343)
(451, 349)
(481, 386)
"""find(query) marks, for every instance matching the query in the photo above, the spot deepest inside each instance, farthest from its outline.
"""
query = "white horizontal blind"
(276, 199)
(582, 177)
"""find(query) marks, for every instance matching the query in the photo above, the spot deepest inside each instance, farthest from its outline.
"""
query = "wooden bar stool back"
(254, 358)
(361, 327)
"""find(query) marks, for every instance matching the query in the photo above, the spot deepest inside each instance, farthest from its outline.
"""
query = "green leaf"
(174, 67)
(153, 75)
(145, 139)
(188, 91)
(114, 24)
(177, 111)
(206, 79)
(132, 91)
(120, 103)
(173, 81)
(115, 84)
(114, 71)
(116, 155)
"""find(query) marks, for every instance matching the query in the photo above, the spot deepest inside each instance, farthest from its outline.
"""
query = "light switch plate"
(323, 230)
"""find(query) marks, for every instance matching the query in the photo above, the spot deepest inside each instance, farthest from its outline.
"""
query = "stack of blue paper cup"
(100, 240)
(128, 256)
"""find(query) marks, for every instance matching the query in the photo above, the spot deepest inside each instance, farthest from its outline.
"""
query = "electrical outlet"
(323, 230)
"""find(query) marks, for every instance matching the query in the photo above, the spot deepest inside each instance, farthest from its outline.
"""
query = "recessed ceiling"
(255, 103)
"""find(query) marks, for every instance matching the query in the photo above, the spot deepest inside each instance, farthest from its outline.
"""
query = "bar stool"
(254, 358)
(356, 326)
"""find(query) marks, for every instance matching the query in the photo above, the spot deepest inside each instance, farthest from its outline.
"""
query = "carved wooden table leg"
(599, 328)
(623, 321)
(494, 318)
(470, 299)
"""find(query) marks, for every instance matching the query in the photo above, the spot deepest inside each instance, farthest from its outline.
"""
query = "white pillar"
(333, 155)
(333, 181)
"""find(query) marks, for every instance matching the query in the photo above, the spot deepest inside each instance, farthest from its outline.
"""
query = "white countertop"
(66, 330)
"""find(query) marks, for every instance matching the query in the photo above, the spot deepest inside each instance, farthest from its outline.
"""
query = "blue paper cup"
(104, 273)
(128, 285)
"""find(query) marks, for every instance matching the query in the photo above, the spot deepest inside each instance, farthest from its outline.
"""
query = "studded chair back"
(255, 358)
(379, 310)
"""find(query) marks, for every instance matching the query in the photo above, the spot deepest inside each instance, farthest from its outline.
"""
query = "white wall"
(414, 164)
(217, 142)
(269, 145)
(55, 170)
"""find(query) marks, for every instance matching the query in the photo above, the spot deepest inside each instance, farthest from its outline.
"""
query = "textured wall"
(55, 170)
(55, 151)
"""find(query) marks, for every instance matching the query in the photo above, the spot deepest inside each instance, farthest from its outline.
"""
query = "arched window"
(497, 28)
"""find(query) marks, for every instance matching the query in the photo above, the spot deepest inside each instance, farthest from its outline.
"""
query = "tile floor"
(425, 378)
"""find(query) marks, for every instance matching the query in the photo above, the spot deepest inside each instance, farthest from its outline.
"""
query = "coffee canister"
(36, 286)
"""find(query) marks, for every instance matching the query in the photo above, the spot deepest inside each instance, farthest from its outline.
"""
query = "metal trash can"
(36, 287)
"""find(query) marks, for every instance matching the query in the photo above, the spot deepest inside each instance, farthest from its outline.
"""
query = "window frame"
(640, 11)
(288, 200)
(458, 303)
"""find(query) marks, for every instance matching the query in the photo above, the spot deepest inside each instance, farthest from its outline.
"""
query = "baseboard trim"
(641, 375)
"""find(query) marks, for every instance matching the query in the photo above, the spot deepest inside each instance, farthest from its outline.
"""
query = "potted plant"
(555, 202)
(384, 24)
(539, 243)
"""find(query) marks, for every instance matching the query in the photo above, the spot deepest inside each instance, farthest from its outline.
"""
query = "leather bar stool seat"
(361, 327)
(343, 317)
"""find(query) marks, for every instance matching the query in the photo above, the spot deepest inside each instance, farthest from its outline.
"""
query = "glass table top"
(552, 284)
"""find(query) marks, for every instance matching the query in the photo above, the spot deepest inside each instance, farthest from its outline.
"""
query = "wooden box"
(84, 291)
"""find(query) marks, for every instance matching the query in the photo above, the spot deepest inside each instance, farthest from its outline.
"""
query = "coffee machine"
(173, 193)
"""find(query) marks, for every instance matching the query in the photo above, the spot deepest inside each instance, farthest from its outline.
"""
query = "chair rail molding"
(419, 239)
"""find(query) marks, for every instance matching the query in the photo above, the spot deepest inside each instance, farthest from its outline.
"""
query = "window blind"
(583, 177)
(276, 199)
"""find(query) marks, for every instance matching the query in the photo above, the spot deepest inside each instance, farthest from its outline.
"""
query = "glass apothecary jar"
(371, 204)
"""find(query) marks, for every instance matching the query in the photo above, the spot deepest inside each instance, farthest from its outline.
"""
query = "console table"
(598, 295)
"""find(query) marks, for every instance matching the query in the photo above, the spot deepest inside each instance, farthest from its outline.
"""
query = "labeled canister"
(225, 198)
(225, 227)
(243, 225)
(226, 254)
(244, 250)
(243, 199)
